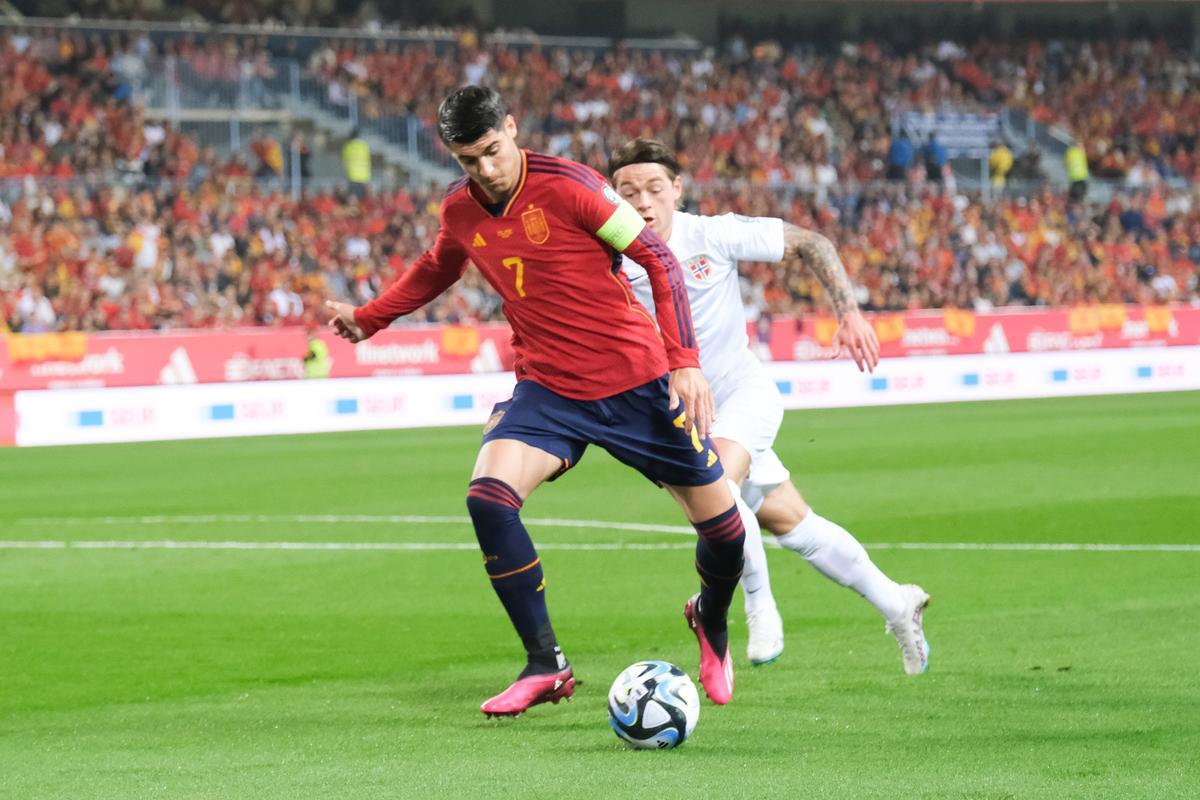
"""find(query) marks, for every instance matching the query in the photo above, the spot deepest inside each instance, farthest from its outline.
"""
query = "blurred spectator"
(933, 154)
(269, 154)
(900, 157)
(316, 359)
(1000, 163)
(1027, 167)
(356, 159)
(1075, 160)
(300, 151)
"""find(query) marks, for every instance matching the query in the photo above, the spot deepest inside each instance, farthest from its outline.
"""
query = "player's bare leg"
(720, 539)
(763, 622)
(506, 472)
(840, 557)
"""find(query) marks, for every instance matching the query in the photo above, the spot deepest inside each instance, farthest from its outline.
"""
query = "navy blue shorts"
(636, 427)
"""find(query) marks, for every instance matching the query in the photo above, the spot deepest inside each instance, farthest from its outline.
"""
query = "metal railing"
(259, 89)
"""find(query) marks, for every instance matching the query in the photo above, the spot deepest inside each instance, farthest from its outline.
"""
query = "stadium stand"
(188, 238)
(1134, 103)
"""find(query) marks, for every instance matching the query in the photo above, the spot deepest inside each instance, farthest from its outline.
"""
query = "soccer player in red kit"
(592, 368)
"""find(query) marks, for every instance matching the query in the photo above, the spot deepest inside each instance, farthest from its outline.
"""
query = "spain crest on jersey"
(699, 266)
(536, 228)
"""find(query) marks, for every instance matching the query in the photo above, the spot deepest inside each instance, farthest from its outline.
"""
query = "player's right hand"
(687, 385)
(343, 322)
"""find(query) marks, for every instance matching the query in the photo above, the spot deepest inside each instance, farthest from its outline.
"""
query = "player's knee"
(787, 519)
(492, 503)
(782, 509)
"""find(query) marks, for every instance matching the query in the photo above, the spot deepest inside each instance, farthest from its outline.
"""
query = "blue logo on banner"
(224, 411)
(91, 419)
(1059, 376)
(462, 401)
(879, 384)
(1145, 372)
(971, 379)
(347, 405)
(785, 387)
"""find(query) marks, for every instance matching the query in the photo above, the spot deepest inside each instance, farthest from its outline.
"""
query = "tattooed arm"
(821, 258)
(855, 336)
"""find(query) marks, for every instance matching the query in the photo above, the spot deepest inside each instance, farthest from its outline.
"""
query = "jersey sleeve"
(433, 273)
(739, 238)
(611, 219)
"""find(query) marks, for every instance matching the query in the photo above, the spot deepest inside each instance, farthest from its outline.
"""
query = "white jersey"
(709, 249)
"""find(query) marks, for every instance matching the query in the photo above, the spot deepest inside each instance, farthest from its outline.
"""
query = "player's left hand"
(688, 386)
(856, 338)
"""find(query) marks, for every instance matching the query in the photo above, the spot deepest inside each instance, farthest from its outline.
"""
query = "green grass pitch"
(266, 673)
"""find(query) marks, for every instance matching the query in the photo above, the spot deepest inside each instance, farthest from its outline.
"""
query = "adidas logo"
(178, 369)
(996, 341)
(478, 241)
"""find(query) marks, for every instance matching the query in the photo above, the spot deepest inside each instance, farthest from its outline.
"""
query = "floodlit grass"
(291, 674)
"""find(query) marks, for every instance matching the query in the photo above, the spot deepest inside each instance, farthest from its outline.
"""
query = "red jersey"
(552, 251)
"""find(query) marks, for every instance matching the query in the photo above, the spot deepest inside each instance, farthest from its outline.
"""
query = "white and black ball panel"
(653, 705)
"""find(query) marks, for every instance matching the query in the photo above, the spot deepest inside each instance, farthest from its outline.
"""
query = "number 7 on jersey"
(515, 261)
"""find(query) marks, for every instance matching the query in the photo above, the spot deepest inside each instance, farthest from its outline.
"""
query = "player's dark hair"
(643, 151)
(468, 113)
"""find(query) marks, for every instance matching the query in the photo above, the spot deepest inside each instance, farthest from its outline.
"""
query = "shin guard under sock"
(515, 569)
(719, 562)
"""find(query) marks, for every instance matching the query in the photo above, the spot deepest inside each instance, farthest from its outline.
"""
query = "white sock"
(838, 556)
(756, 582)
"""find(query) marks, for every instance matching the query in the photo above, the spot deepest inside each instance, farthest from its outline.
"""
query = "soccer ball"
(653, 705)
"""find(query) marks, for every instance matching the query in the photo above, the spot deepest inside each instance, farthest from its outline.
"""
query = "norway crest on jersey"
(536, 228)
(699, 266)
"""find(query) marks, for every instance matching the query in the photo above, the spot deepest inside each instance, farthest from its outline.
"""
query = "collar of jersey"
(474, 191)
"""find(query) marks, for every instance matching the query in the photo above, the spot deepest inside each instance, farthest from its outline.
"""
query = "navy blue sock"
(719, 562)
(515, 569)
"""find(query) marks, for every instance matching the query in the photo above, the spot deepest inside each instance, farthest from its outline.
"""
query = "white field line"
(348, 519)
(1047, 547)
(355, 519)
(168, 544)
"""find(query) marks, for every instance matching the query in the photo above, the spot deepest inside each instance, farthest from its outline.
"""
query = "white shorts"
(749, 412)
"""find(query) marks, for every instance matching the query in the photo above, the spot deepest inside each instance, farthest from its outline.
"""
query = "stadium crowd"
(65, 111)
(763, 131)
(802, 115)
(766, 114)
(1133, 103)
(228, 253)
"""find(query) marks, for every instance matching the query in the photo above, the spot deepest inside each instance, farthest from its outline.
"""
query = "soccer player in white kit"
(749, 408)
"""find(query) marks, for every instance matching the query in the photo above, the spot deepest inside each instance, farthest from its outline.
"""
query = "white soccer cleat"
(766, 636)
(909, 631)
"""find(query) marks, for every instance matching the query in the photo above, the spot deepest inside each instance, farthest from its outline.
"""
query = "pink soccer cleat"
(530, 691)
(716, 674)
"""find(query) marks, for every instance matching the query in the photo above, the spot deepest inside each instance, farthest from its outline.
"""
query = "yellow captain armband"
(623, 226)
